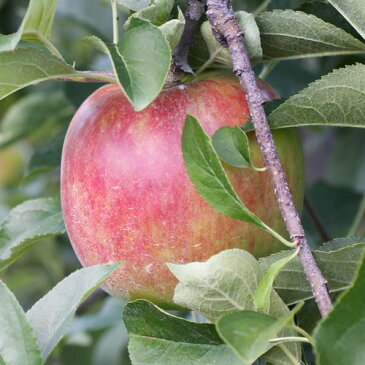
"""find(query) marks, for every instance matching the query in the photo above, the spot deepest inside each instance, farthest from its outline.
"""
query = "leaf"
(110, 346)
(107, 316)
(346, 165)
(25, 225)
(225, 283)
(172, 30)
(18, 344)
(263, 291)
(231, 145)
(252, 40)
(157, 13)
(143, 47)
(36, 26)
(247, 5)
(134, 5)
(249, 333)
(353, 11)
(51, 316)
(330, 15)
(335, 205)
(158, 336)
(48, 157)
(207, 174)
(338, 99)
(288, 34)
(32, 112)
(287, 4)
(28, 66)
(97, 43)
(337, 267)
(340, 336)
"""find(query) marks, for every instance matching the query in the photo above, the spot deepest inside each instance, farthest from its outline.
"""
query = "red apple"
(126, 195)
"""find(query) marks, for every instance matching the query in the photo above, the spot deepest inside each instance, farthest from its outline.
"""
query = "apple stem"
(229, 34)
(115, 22)
(193, 13)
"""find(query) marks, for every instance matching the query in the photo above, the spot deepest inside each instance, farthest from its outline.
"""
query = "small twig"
(115, 22)
(359, 218)
(325, 236)
(228, 32)
(193, 13)
(262, 7)
(268, 67)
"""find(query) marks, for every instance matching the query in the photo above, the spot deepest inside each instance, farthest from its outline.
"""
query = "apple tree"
(251, 276)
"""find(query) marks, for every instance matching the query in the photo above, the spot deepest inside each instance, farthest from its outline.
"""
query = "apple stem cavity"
(229, 34)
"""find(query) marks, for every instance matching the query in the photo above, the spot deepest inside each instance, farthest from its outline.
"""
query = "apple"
(126, 195)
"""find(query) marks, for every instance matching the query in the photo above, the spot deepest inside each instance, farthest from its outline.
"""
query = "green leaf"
(143, 47)
(32, 112)
(329, 14)
(36, 27)
(158, 336)
(288, 4)
(18, 344)
(346, 165)
(207, 174)
(288, 34)
(249, 333)
(25, 225)
(252, 40)
(110, 346)
(107, 316)
(263, 291)
(231, 145)
(2, 362)
(48, 157)
(28, 66)
(134, 5)
(247, 5)
(338, 99)
(292, 284)
(157, 13)
(333, 204)
(97, 43)
(172, 30)
(340, 336)
(353, 11)
(225, 283)
(51, 316)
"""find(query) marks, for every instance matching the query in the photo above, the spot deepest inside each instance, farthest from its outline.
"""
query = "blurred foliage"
(335, 171)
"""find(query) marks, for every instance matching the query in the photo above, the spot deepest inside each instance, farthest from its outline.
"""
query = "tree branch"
(227, 31)
(193, 13)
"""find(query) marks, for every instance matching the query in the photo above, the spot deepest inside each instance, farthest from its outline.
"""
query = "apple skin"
(126, 195)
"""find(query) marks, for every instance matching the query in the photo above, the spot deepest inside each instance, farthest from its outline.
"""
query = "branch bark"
(228, 32)
(193, 13)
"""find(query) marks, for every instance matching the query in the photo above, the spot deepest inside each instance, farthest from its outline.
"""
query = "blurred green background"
(30, 157)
